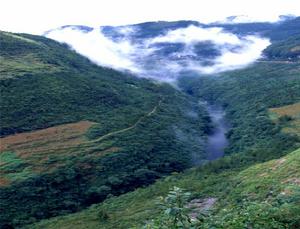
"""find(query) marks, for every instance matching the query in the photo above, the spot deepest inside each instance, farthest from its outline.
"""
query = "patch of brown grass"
(293, 180)
(278, 163)
(4, 181)
(293, 111)
(293, 127)
(44, 151)
(290, 110)
(57, 138)
(295, 49)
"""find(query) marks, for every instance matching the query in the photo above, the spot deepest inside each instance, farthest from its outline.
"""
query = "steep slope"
(285, 50)
(246, 193)
(263, 196)
(46, 84)
(247, 95)
(74, 133)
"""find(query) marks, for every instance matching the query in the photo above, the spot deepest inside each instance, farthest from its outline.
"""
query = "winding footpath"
(87, 144)
(128, 128)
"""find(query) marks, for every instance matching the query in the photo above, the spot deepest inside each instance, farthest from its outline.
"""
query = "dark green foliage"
(246, 95)
(283, 120)
(103, 215)
(265, 195)
(154, 146)
(256, 215)
(154, 151)
(81, 91)
(9, 47)
(174, 211)
(285, 50)
(284, 30)
(278, 214)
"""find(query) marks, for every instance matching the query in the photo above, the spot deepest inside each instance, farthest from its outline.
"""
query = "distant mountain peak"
(236, 19)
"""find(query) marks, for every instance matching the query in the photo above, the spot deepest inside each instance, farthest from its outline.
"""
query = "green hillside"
(45, 84)
(246, 193)
(285, 50)
(247, 95)
(265, 195)
(74, 133)
(84, 146)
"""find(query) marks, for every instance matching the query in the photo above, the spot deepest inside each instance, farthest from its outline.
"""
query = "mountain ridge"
(79, 104)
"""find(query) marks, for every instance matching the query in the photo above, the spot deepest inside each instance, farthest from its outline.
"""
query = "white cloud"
(251, 50)
(97, 47)
(148, 57)
(193, 34)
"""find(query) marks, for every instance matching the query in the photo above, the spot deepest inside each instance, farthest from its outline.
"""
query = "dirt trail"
(87, 143)
(128, 128)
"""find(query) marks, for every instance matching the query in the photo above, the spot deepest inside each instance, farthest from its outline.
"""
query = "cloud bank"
(167, 56)
(97, 47)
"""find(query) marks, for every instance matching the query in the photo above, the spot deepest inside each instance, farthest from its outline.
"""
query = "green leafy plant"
(174, 211)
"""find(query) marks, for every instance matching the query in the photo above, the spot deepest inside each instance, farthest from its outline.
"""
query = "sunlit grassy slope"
(268, 192)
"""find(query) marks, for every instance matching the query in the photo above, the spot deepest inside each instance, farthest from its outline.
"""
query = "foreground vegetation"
(263, 196)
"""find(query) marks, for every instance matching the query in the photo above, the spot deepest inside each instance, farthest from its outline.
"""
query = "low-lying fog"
(164, 56)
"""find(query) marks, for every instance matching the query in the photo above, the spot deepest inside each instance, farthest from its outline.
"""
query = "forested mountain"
(74, 134)
(248, 95)
(239, 190)
(285, 50)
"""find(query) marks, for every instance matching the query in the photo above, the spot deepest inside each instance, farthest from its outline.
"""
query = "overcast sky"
(37, 16)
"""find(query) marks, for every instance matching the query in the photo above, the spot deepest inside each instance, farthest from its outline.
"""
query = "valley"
(217, 140)
(69, 130)
(91, 144)
(255, 183)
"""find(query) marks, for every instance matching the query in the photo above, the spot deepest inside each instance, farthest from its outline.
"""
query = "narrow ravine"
(217, 140)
